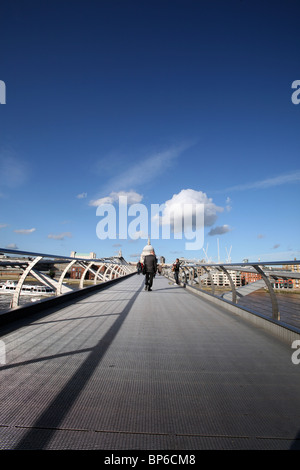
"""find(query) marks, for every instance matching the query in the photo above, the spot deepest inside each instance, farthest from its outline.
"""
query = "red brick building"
(247, 278)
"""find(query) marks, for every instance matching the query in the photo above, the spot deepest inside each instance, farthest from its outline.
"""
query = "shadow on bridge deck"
(128, 369)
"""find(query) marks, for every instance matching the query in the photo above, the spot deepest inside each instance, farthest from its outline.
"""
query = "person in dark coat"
(175, 269)
(150, 268)
(139, 267)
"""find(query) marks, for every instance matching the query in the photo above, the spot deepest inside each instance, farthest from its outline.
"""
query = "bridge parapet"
(30, 263)
(268, 273)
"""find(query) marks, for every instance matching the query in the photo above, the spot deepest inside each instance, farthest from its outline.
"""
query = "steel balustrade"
(114, 267)
(267, 271)
(107, 269)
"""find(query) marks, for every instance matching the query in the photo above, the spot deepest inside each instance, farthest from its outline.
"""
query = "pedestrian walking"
(139, 267)
(175, 270)
(149, 269)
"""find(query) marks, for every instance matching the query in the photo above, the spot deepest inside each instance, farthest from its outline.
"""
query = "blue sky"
(161, 100)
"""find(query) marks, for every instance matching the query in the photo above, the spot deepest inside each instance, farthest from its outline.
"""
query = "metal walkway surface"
(127, 369)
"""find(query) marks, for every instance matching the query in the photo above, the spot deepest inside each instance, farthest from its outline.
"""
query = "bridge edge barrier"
(280, 329)
(25, 311)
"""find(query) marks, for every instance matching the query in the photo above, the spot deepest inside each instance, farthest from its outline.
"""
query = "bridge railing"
(38, 264)
(267, 275)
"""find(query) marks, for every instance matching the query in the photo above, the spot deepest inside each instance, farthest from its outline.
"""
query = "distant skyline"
(165, 102)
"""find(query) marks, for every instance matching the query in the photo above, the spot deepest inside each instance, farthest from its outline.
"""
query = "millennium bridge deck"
(127, 369)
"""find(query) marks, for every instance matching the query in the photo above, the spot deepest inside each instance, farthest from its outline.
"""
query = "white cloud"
(220, 230)
(24, 231)
(13, 171)
(293, 177)
(132, 198)
(135, 255)
(228, 204)
(81, 196)
(60, 236)
(188, 196)
(102, 200)
(279, 256)
(12, 246)
(3, 225)
(136, 175)
(146, 169)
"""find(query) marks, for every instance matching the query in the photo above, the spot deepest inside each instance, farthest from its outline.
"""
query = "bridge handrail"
(111, 267)
(50, 256)
(263, 268)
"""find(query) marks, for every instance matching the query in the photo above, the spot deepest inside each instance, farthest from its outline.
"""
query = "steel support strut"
(15, 300)
(183, 274)
(275, 310)
(61, 279)
(231, 284)
(211, 280)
